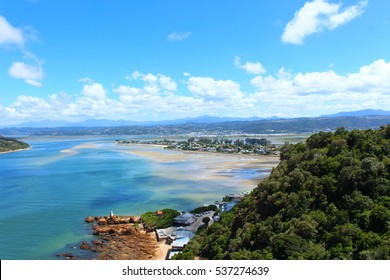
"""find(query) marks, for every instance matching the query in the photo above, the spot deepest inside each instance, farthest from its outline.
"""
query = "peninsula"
(252, 146)
(12, 145)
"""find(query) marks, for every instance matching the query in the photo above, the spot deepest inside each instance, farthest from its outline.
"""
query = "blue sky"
(155, 60)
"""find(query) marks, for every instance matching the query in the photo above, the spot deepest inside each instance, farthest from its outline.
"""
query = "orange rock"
(89, 220)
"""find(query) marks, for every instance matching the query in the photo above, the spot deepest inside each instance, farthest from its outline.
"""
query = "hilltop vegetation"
(11, 144)
(153, 220)
(329, 198)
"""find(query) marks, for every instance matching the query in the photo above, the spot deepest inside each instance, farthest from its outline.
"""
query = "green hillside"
(11, 144)
(329, 198)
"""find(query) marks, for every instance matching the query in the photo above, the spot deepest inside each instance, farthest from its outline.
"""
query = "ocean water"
(47, 191)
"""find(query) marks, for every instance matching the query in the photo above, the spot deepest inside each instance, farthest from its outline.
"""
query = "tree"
(206, 220)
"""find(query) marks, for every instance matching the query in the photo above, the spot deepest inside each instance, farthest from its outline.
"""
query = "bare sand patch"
(206, 166)
(74, 150)
(157, 156)
(161, 250)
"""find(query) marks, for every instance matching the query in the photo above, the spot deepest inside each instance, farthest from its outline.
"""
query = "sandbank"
(18, 150)
(208, 166)
(74, 150)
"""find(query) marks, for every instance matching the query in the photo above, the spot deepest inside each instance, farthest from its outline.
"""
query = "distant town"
(258, 146)
(202, 127)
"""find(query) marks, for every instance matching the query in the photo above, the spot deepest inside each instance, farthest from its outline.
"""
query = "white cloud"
(10, 35)
(27, 107)
(157, 97)
(347, 15)
(210, 89)
(178, 36)
(94, 91)
(285, 94)
(167, 83)
(250, 67)
(316, 16)
(86, 80)
(31, 74)
(155, 83)
(94, 103)
(320, 92)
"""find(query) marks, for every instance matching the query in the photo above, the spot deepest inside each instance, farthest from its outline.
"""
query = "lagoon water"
(47, 191)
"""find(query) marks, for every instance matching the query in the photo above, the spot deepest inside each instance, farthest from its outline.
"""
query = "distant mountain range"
(278, 126)
(360, 113)
(91, 123)
(116, 123)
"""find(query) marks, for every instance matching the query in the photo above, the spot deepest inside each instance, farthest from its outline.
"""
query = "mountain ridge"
(181, 121)
(359, 113)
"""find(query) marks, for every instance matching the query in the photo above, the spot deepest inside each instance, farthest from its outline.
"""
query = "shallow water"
(47, 191)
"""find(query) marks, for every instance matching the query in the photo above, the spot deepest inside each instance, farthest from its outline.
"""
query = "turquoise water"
(47, 191)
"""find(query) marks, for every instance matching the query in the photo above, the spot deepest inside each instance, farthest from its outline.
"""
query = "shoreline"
(14, 151)
(118, 238)
(271, 158)
(199, 166)
(164, 147)
(212, 167)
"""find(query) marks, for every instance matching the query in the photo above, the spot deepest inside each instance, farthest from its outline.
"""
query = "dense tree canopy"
(329, 198)
(11, 144)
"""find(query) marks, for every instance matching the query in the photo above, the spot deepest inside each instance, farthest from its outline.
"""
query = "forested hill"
(11, 144)
(329, 198)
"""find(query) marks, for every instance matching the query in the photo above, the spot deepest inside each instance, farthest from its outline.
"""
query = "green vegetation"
(329, 198)
(11, 144)
(153, 220)
(224, 145)
(260, 146)
(202, 209)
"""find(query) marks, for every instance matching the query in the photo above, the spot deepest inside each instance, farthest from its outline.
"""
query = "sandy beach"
(204, 165)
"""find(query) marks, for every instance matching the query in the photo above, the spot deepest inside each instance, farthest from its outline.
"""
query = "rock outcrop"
(120, 238)
(89, 219)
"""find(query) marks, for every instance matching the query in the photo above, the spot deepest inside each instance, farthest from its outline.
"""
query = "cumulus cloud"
(210, 89)
(317, 92)
(156, 96)
(178, 36)
(10, 35)
(31, 74)
(94, 91)
(318, 15)
(154, 83)
(373, 77)
(250, 67)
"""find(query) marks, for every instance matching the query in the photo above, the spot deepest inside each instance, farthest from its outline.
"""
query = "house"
(161, 234)
(179, 243)
(159, 213)
(184, 219)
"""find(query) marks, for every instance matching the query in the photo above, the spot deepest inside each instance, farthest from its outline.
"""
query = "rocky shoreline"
(118, 238)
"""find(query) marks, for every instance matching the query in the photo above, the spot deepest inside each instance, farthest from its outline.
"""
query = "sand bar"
(194, 165)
